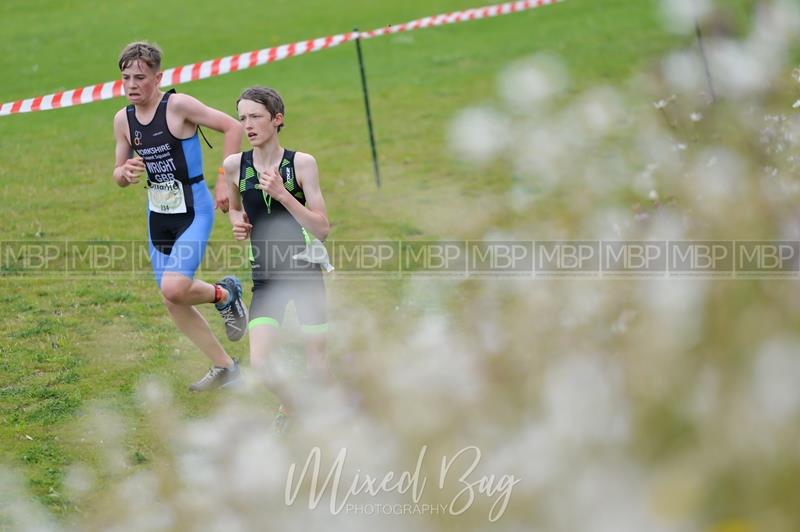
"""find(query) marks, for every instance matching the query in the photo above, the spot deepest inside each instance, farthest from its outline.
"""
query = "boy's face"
(140, 82)
(258, 124)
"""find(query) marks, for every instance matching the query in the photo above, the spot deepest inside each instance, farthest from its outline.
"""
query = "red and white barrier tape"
(233, 63)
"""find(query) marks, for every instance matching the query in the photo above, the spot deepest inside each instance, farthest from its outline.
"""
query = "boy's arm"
(126, 170)
(241, 225)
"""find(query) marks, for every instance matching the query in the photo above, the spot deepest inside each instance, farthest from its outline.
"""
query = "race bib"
(167, 197)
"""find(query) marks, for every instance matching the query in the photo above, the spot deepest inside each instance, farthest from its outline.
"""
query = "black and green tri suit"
(275, 238)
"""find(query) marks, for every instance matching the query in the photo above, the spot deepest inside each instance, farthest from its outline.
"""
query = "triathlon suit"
(277, 236)
(180, 207)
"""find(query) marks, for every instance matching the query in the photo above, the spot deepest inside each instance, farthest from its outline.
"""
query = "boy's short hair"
(267, 97)
(143, 51)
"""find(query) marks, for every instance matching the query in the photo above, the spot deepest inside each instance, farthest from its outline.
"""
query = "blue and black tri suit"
(275, 238)
(180, 207)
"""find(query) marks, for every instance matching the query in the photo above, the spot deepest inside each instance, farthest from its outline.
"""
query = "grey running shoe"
(218, 378)
(234, 314)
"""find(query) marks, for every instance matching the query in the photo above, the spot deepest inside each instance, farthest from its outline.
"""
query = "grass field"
(66, 344)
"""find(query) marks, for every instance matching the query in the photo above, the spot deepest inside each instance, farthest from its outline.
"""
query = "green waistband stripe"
(315, 329)
(265, 320)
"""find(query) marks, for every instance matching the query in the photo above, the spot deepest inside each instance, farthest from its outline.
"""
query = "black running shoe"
(218, 378)
(234, 313)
